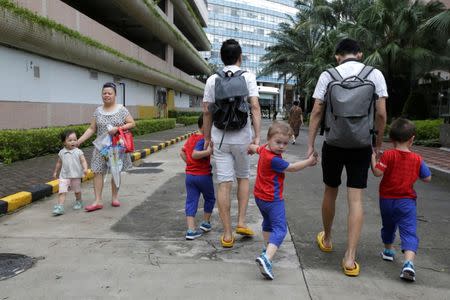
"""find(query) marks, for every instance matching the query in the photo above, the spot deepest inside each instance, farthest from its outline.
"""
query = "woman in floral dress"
(295, 119)
(113, 115)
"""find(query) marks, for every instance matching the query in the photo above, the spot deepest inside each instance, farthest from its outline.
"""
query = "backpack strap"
(334, 74)
(239, 73)
(221, 74)
(365, 72)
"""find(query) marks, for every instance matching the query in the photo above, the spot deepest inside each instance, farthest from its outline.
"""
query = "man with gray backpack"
(230, 95)
(351, 102)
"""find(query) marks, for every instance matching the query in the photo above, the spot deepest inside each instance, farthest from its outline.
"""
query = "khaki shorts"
(70, 184)
(232, 161)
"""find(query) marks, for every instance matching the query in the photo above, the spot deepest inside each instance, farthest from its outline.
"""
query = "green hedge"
(176, 114)
(187, 120)
(24, 144)
(427, 132)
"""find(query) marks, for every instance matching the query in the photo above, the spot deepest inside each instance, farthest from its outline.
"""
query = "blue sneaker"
(205, 226)
(58, 210)
(77, 205)
(192, 234)
(388, 254)
(265, 266)
(408, 273)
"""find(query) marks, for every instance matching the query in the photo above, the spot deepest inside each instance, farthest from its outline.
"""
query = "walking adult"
(230, 147)
(355, 160)
(107, 118)
(295, 119)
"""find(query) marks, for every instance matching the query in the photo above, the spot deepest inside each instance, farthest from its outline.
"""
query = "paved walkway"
(21, 175)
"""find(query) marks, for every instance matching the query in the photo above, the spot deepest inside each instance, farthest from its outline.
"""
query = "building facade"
(250, 22)
(56, 55)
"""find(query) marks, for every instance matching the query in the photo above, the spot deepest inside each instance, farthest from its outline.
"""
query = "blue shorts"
(274, 220)
(399, 213)
(196, 185)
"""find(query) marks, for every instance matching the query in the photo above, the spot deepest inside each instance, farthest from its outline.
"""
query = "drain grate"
(150, 164)
(145, 171)
(12, 264)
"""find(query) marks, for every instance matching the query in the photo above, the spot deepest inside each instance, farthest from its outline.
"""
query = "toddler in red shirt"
(198, 181)
(400, 169)
(269, 190)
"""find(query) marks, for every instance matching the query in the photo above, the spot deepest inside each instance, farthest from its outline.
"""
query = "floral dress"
(103, 119)
(295, 120)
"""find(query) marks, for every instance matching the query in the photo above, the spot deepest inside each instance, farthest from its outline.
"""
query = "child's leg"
(265, 225)
(75, 185)
(207, 188)
(192, 197)
(61, 198)
(64, 187)
(408, 227)
(389, 223)
(277, 217)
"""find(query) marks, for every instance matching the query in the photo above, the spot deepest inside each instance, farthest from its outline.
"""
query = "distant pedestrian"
(295, 119)
(268, 190)
(107, 118)
(400, 168)
(71, 166)
(198, 181)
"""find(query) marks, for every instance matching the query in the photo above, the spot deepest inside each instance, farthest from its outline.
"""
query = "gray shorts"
(232, 161)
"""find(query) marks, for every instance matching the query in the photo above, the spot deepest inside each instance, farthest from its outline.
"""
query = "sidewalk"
(22, 175)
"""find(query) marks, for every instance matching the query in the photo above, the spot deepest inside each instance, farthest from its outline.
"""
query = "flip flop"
(93, 207)
(244, 231)
(320, 243)
(351, 272)
(227, 244)
(115, 203)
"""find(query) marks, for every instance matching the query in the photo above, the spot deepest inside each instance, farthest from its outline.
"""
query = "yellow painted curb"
(155, 148)
(136, 155)
(17, 200)
(55, 185)
(163, 145)
(147, 151)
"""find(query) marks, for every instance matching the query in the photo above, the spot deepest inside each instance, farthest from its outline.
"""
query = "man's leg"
(242, 196)
(223, 203)
(355, 222)
(328, 211)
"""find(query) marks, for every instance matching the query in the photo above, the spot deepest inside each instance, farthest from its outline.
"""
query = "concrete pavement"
(138, 251)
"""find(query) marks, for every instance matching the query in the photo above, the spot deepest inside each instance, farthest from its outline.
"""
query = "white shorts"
(232, 161)
(69, 184)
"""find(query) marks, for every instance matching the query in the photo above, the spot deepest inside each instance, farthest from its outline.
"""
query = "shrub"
(176, 114)
(187, 120)
(28, 143)
(427, 132)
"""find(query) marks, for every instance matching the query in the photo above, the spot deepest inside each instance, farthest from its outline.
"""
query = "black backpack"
(230, 109)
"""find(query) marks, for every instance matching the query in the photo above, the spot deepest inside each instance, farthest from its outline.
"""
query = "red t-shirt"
(270, 175)
(400, 169)
(200, 166)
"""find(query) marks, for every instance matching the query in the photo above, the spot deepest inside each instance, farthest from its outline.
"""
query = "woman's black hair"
(296, 103)
(110, 85)
(65, 134)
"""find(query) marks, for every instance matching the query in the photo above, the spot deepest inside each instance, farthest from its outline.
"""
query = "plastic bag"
(102, 141)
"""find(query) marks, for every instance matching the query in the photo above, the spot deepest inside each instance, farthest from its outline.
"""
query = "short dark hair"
(200, 121)
(402, 130)
(65, 134)
(230, 52)
(296, 102)
(347, 46)
(110, 85)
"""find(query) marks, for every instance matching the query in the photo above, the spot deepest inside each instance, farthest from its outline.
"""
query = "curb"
(13, 202)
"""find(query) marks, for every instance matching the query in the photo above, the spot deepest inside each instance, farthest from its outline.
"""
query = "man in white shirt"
(356, 161)
(232, 160)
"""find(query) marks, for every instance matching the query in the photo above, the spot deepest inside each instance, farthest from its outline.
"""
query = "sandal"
(93, 207)
(320, 243)
(351, 272)
(115, 203)
(246, 231)
(227, 244)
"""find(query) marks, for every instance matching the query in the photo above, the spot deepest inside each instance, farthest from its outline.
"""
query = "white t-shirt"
(243, 136)
(71, 164)
(348, 69)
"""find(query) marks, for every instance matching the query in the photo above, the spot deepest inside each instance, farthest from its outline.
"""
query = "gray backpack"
(230, 108)
(350, 110)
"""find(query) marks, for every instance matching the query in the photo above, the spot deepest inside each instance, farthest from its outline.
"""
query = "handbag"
(124, 137)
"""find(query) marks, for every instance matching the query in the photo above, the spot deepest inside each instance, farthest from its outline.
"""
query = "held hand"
(85, 172)
(207, 143)
(314, 159)
(310, 151)
(113, 130)
(256, 140)
(210, 148)
(252, 149)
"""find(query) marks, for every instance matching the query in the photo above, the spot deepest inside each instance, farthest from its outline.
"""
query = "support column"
(169, 49)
